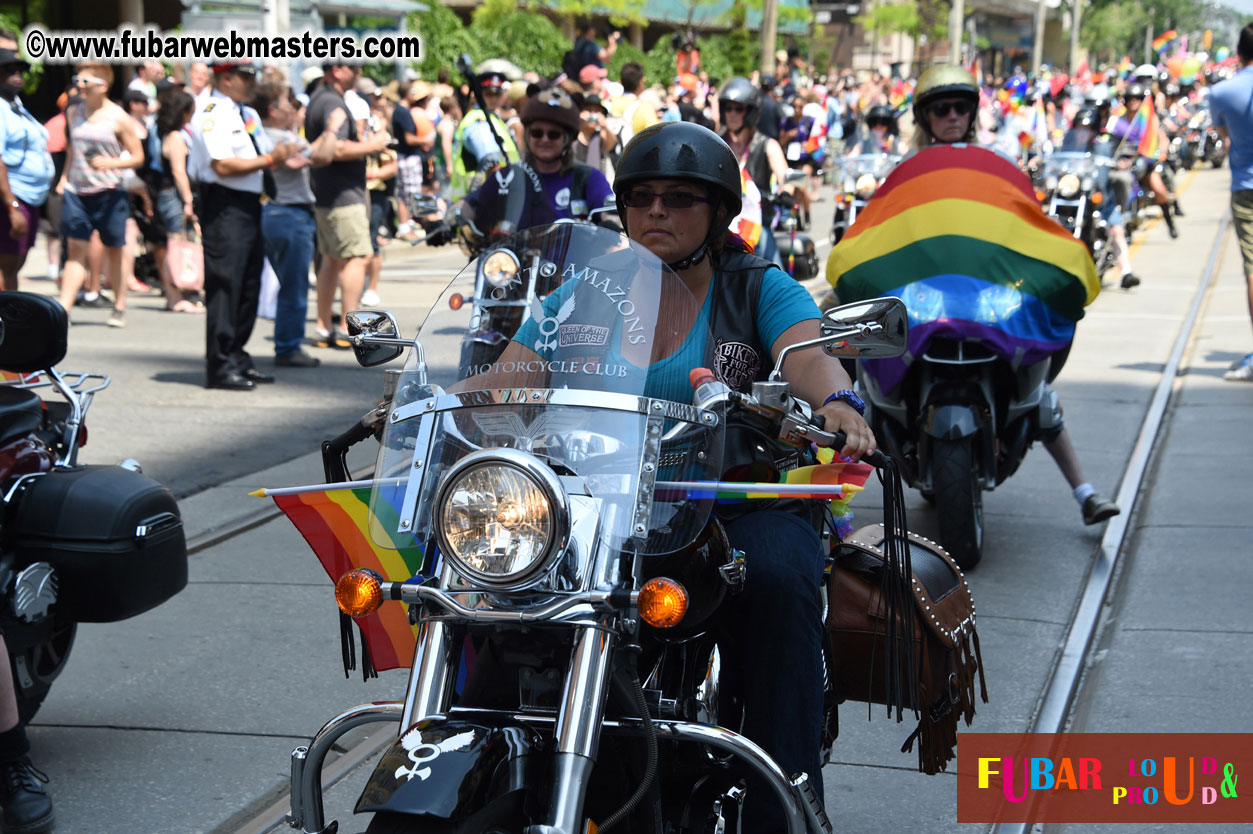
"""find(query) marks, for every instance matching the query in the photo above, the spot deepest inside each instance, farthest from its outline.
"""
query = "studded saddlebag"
(946, 647)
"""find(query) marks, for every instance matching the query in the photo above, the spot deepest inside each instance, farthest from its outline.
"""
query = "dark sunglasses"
(540, 133)
(734, 108)
(879, 123)
(643, 198)
(942, 109)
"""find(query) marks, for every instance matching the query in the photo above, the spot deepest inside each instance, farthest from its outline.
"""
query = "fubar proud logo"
(1103, 777)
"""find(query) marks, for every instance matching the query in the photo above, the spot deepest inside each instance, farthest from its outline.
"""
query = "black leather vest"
(740, 358)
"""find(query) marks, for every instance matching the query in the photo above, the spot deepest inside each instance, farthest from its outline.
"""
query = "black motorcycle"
(1067, 187)
(567, 517)
(78, 543)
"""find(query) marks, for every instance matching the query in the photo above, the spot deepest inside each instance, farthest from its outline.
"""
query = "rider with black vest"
(548, 185)
(739, 111)
(677, 189)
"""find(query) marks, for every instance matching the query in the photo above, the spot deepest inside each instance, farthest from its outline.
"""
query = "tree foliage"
(1114, 28)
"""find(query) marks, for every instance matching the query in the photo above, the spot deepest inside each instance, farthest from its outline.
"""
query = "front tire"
(958, 500)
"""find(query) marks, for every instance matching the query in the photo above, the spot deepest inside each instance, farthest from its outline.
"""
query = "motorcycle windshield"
(1059, 164)
(1077, 140)
(572, 344)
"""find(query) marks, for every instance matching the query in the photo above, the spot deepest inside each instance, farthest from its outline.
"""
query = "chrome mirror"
(375, 337)
(874, 329)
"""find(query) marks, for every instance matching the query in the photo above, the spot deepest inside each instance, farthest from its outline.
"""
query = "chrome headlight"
(866, 185)
(1068, 186)
(500, 268)
(502, 517)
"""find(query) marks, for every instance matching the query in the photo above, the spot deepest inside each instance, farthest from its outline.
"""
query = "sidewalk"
(1175, 655)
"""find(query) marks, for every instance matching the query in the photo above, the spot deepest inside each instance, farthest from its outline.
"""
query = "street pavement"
(182, 719)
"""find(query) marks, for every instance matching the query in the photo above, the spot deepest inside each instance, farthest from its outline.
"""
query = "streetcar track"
(1062, 692)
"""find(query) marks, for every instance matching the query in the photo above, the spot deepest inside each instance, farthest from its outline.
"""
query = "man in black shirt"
(340, 205)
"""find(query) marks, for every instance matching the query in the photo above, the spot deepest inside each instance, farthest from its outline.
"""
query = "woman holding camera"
(595, 142)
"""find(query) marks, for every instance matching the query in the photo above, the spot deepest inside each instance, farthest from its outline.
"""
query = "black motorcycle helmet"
(1088, 117)
(683, 151)
(1136, 91)
(741, 91)
(881, 114)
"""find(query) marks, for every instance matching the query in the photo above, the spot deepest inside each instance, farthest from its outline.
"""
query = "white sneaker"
(369, 298)
(1244, 373)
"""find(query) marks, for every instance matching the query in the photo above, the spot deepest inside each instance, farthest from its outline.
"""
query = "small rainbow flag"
(956, 232)
(1145, 126)
(336, 521)
(749, 221)
(1163, 40)
(1125, 66)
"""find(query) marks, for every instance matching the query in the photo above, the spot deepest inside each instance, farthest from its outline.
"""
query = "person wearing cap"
(95, 186)
(231, 153)
(341, 205)
(595, 143)
(26, 169)
(464, 163)
(592, 78)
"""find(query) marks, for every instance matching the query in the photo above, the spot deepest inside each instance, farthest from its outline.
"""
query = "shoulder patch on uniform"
(209, 107)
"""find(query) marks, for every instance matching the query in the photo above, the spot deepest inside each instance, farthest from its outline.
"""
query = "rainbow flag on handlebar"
(340, 528)
(956, 233)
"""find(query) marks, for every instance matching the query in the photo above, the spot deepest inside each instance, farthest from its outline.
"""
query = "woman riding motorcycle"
(1147, 171)
(677, 189)
(945, 102)
(881, 134)
(554, 186)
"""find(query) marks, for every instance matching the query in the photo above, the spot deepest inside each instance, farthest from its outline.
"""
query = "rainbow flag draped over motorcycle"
(956, 233)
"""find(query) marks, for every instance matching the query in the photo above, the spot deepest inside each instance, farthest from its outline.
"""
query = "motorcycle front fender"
(452, 770)
(951, 422)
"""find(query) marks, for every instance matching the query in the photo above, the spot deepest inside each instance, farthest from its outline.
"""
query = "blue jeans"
(771, 647)
(289, 233)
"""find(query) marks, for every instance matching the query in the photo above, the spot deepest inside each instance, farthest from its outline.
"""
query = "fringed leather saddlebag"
(865, 657)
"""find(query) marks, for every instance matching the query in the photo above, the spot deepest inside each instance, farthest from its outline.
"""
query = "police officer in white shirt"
(229, 155)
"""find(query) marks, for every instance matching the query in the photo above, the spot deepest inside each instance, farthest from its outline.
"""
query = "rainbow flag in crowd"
(1145, 125)
(1163, 40)
(957, 234)
(337, 522)
(747, 224)
(1125, 66)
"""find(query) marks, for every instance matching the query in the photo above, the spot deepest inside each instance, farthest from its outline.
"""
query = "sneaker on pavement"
(325, 339)
(1130, 280)
(298, 359)
(1244, 373)
(27, 806)
(1098, 508)
(98, 301)
(369, 298)
(1243, 360)
(117, 318)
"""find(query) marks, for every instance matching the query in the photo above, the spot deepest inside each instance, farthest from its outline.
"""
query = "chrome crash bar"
(801, 811)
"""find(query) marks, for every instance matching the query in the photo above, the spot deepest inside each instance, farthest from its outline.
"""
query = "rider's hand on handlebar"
(439, 233)
(842, 417)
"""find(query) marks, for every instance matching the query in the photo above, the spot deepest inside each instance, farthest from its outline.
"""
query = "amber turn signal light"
(662, 602)
(455, 301)
(1039, 196)
(1096, 198)
(359, 592)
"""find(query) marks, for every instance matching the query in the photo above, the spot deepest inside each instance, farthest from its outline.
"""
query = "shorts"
(1242, 219)
(105, 212)
(19, 246)
(409, 177)
(344, 231)
(169, 212)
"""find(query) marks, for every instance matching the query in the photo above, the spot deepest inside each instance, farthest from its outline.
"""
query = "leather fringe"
(901, 661)
(348, 650)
